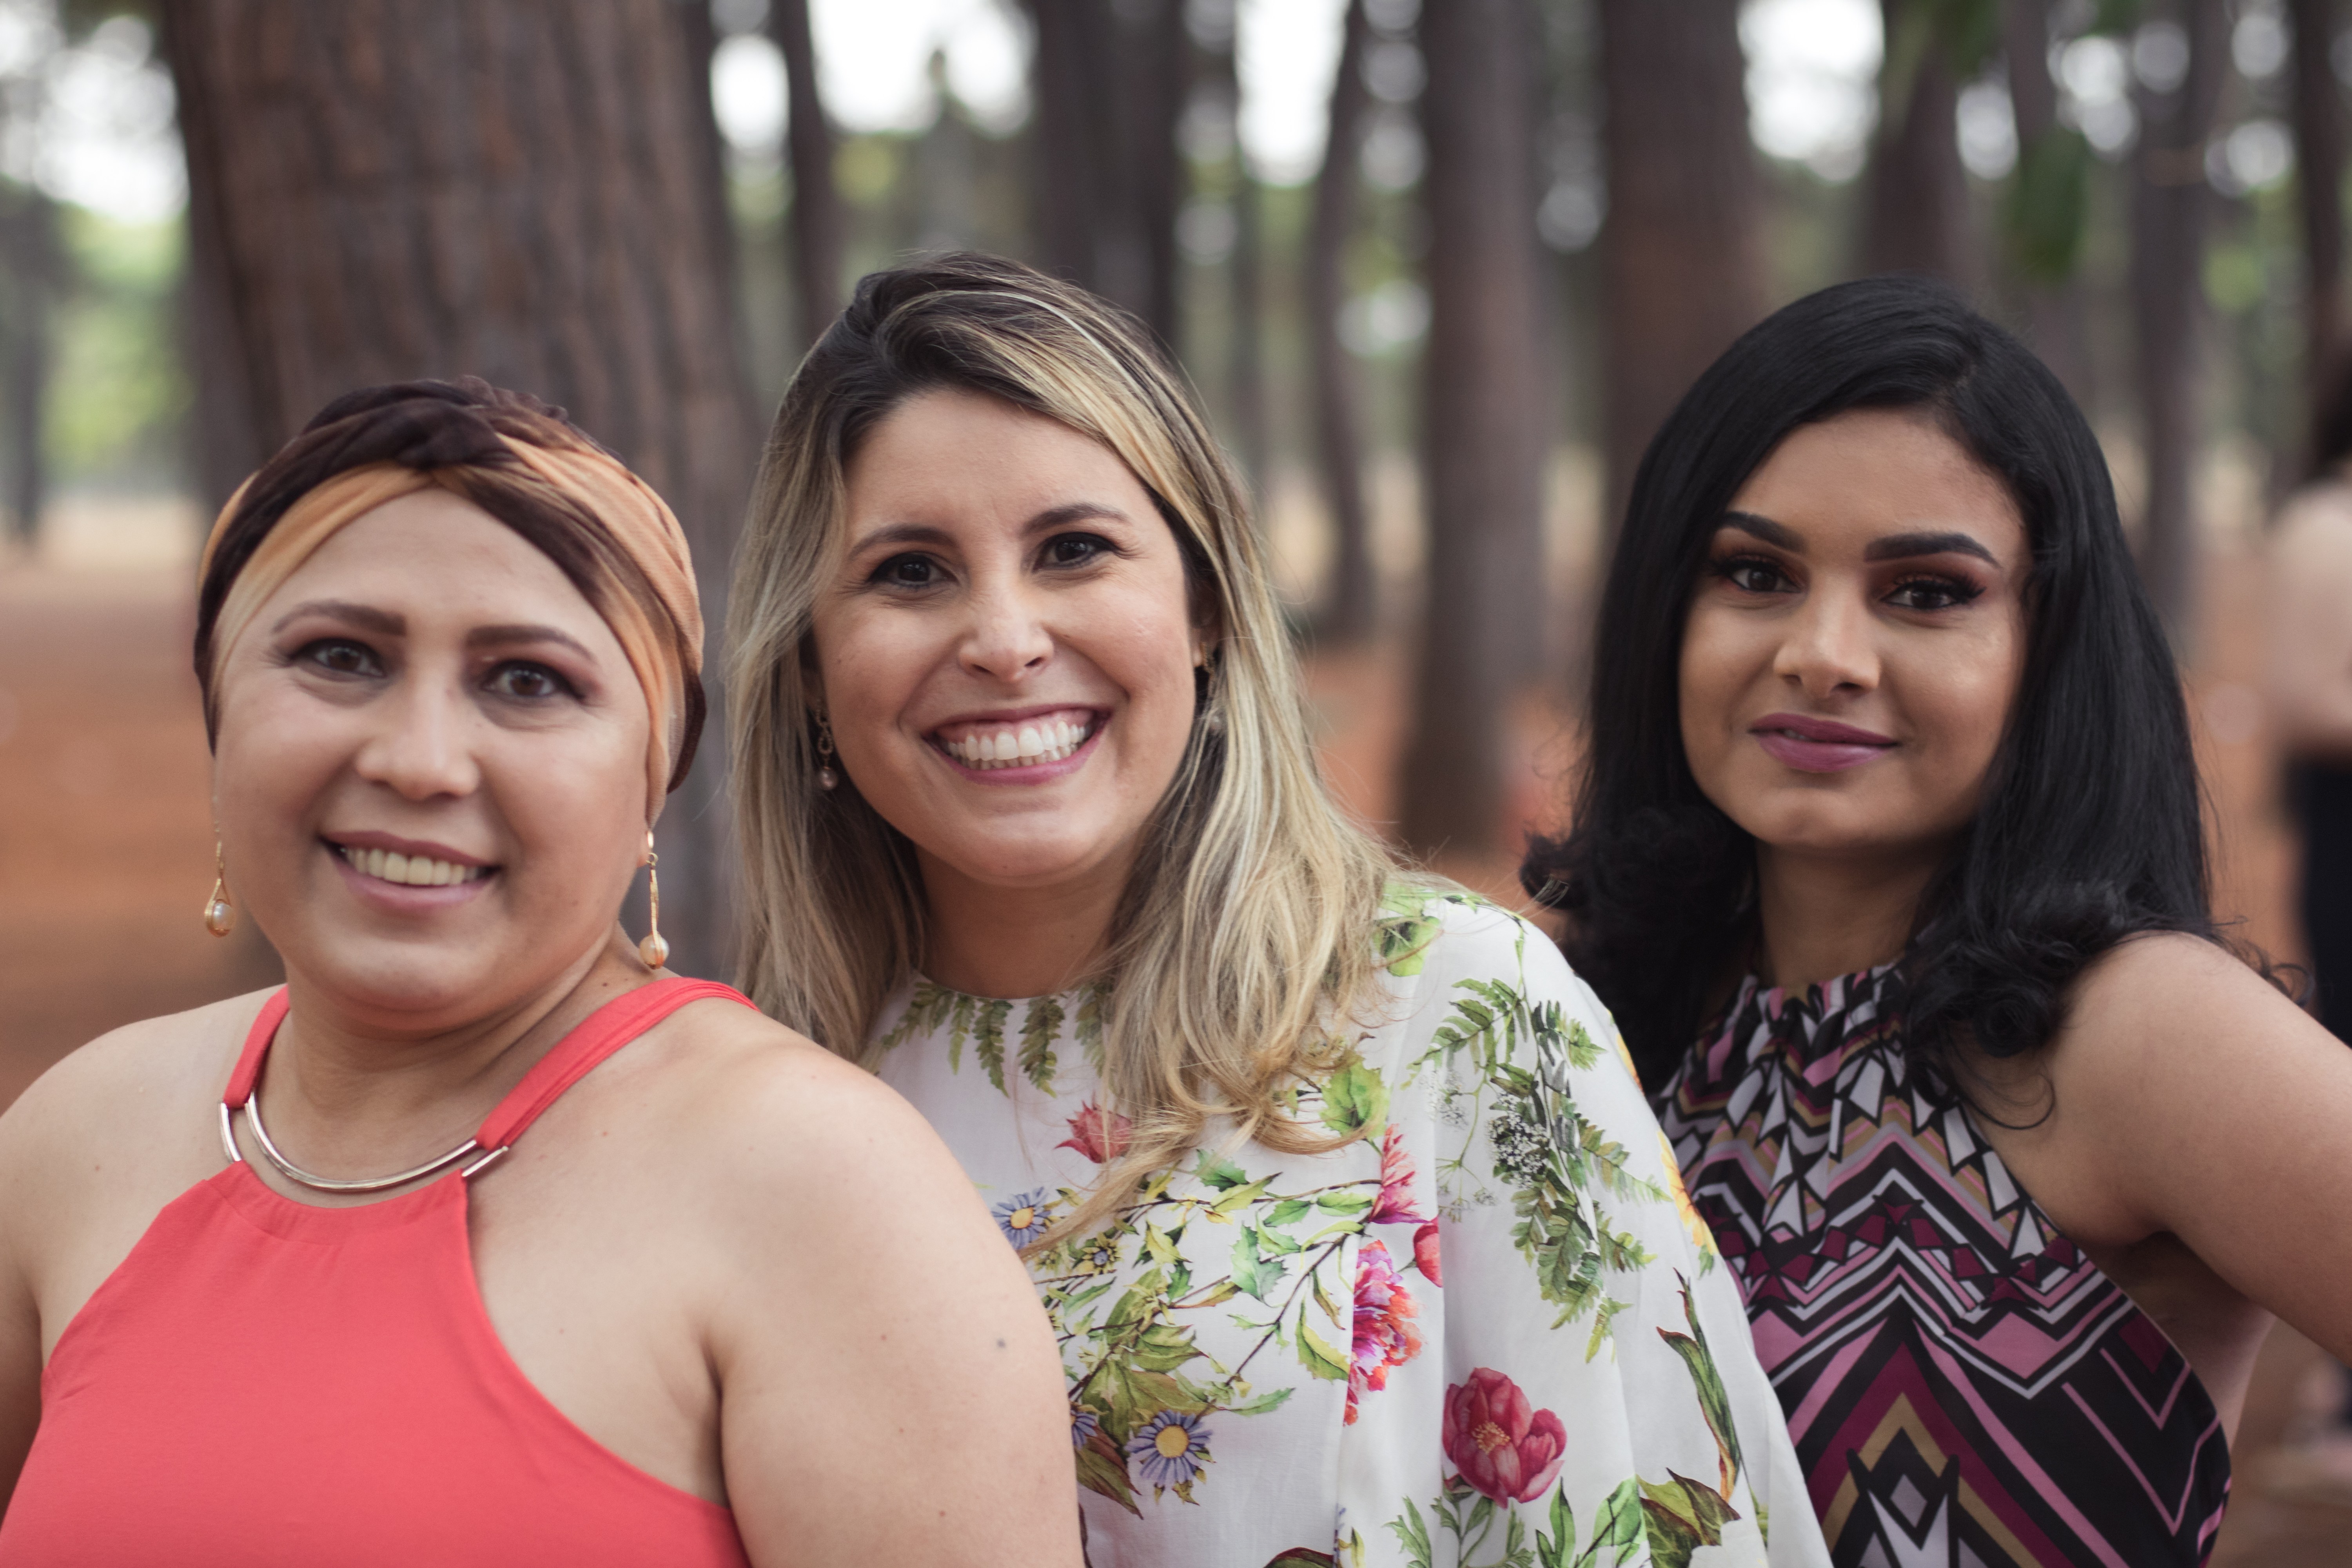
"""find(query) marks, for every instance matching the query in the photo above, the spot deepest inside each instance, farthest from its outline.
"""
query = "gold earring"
(653, 950)
(220, 915)
(826, 778)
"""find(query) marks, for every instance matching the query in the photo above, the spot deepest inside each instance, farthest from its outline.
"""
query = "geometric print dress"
(1484, 1331)
(1964, 1387)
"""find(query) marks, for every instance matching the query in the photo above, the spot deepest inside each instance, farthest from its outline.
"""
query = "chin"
(424, 981)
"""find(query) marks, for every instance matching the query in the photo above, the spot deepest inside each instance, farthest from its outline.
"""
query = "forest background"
(1438, 267)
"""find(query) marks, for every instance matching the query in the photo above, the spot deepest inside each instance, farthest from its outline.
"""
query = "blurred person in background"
(2309, 615)
(1887, 856)
(2308, 607)
(1359, 1239)
(450, 652)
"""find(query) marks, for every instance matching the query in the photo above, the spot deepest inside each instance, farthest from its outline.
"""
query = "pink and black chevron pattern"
(1965, 1388)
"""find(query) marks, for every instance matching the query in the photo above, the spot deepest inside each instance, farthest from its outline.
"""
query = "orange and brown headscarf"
(518, 460)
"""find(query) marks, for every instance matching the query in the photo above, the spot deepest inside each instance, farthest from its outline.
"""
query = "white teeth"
(412, 870)
(1048, 742)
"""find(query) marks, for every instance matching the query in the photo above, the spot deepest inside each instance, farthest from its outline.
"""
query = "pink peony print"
(1506, 1448)
(1384, 1331)
(1394, 1206)
(1424, 1254)
(1101, 1136)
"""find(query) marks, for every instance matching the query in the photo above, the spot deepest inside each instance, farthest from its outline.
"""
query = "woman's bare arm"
(2186, 1095)
(2308, 621)
(890, 1390)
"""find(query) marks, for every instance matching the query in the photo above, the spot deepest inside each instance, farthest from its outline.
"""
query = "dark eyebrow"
(1901, 546)
(364, 616)
(495, 637)
(1894, 547)
(1053, 517)
(1765, 529)
(1074, 512)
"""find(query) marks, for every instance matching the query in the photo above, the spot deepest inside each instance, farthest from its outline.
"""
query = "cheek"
(1711, 675)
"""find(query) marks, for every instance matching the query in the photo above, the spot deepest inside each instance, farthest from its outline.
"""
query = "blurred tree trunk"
(527, 192)
(30, 250)
(1110, 84)
(1354, 598)
(2046, 204)
(1916, 215)
(1483, 422)
(2320, 188)
(2171, 206)
(1681, 250)
(816, 222)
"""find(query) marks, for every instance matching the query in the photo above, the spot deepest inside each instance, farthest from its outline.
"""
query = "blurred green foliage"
(121, 389)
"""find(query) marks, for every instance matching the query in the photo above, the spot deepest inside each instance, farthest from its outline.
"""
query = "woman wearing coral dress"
(1359, 1239)
(1889, 860)
(664, 1305)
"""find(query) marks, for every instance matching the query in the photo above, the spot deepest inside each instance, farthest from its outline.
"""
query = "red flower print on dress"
(1101, 1136)
(1384, 1331)
(1424, 1254)
(1506, 1448)
(1394, 1206)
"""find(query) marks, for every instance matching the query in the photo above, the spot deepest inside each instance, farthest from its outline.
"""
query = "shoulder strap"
(256, 1046)
(596, 1037)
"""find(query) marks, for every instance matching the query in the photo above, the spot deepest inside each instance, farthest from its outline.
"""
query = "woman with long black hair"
(1888, 861)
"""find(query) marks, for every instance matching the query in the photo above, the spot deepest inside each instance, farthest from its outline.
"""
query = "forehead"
(1870, 472)
(435, 553)
(951, 455)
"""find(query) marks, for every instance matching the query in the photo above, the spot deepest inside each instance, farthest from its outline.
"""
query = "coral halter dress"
(268, 1383)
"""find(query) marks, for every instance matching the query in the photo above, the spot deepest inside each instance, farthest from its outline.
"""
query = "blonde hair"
(1245, 934)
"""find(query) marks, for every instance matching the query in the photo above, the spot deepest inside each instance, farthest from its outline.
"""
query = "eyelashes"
(1911, 591)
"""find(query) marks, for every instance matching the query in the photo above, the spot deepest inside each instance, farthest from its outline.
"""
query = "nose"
(1007, 637)
(1828, 648)
(419, 749)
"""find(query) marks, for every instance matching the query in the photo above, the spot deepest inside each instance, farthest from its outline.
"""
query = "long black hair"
(2089, 829)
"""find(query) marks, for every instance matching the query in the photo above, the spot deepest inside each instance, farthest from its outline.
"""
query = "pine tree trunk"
(1682, 252)
(527, 192)
(29, 244)
(2319, 189)
(1916, 214)
(1109, 84)
(1353, 601)
(2171, 207)
(1483, 421)
(2054, 305)
(816, 220)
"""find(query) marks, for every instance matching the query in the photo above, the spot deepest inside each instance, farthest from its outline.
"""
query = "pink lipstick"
(1813, 745)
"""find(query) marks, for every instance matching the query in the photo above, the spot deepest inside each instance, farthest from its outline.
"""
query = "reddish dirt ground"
(104, 826)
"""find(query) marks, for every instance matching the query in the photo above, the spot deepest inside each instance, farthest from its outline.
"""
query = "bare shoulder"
(779, 1113)
(150, 1066)
(2168, 990)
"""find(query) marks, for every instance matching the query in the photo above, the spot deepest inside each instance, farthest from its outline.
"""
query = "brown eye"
(338, 656)
(527, 683)
(907, 572)
(1932, 594)
(1751, 576)
(1074, 549)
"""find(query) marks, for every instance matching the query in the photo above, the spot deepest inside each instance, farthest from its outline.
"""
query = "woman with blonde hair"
(656, 1307)
(1360, 1241)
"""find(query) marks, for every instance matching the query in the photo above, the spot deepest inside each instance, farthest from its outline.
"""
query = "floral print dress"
(1488, 1333)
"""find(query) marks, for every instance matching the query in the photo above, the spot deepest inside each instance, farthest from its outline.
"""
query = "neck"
(351, 1093)
(1822, 916)
(991, 941)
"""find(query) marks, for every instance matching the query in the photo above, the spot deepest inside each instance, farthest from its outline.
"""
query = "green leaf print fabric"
(1488, 1333)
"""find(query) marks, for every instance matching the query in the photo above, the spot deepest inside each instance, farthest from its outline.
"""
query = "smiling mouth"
(409, 870)
(988, 746)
